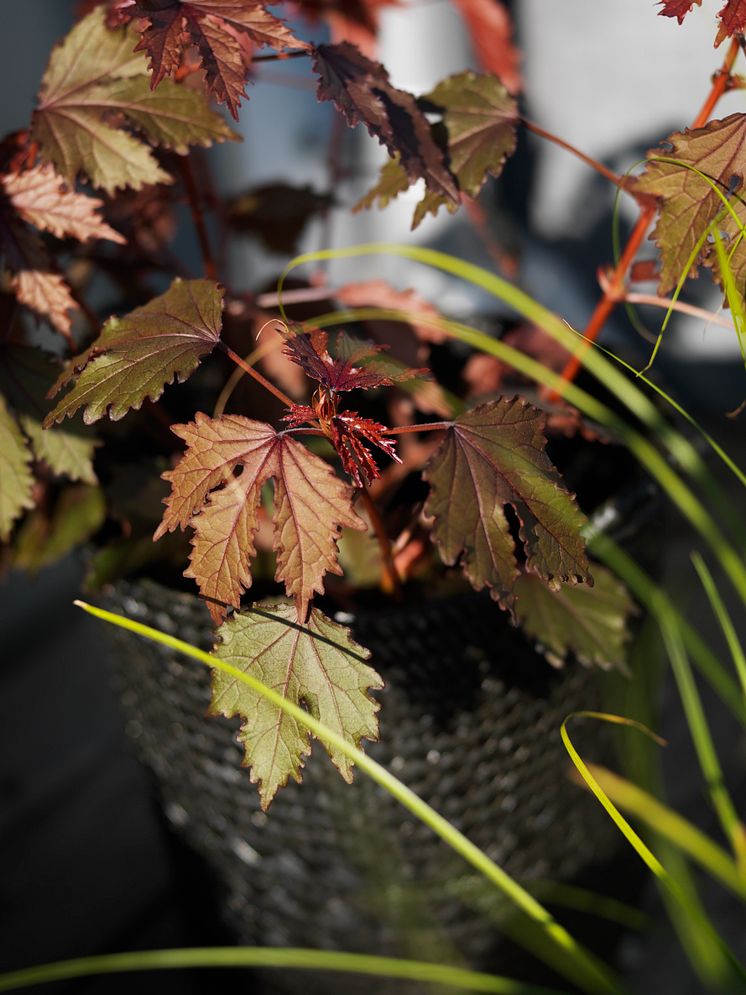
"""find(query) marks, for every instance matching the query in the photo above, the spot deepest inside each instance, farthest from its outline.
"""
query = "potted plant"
(356, 489)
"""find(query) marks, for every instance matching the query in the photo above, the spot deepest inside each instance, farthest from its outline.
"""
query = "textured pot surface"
(470, 719)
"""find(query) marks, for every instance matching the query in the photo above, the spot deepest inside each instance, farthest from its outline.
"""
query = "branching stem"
(432, 426)
(198, 217)
(615, 290)
(267, 384)
(384, 543)
(599, 167)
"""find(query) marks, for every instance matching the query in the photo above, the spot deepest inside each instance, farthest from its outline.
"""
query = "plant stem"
(681, 306)
(384, 542)
(198, 217)
(256, 375)
(431, 426)
(599, 167)
(615, 289)
(299, 53)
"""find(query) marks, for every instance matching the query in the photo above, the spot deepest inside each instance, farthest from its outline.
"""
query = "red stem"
(614, 291)
(299, 53)
(431, 426)
(256, 375)
(607, 173)
(387, 554)
(198, 217)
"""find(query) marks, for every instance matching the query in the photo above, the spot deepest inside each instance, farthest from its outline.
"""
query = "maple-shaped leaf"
(492, 458)
(16, 479)
(588, 622)
(94, 80)
(277, 213)
(317, 666)
(356, 365)
(41, 197)
(361, 90)
(218, 29)
(491, 32)
(688, 205)
(479, 116)
(136, 356)
(677, 8)
(26, 375)
(311, 505)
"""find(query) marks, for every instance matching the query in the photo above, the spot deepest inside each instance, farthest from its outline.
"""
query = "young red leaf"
(94, 76)
(134, 357)
(317, 666)
(677, 8)
(687, 202)
(491, 34)
(361, 90)
(311, 505)
(732, 20)
(493, 457)
(218, 29)
(356, 366)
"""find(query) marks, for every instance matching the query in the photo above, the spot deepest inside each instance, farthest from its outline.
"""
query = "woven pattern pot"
(470, 719)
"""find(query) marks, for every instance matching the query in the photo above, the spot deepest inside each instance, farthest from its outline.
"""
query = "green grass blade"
(654, 598)
(673, 827)
(723, 617)
(269, 957)
(547, 939)
(714, 962)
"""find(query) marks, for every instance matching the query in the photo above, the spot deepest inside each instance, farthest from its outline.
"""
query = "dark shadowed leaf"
(361, 90)
(136, 356)
(311, 505)
(589, 623)
(277, 213)
(317, 666)
(492, 458)
(26, 375)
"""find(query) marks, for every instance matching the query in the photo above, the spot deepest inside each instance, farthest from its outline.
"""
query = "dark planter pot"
(470, 719)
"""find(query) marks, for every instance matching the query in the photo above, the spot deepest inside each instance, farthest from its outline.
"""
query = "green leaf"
(136, 356)
(688, 203)
(493, 457)
(26, 375)
(92, 77)
(588, 622)
(391, 182)
(42, 539)
(16, 480)
(317, 666)
(480, 118)
(310, 507)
